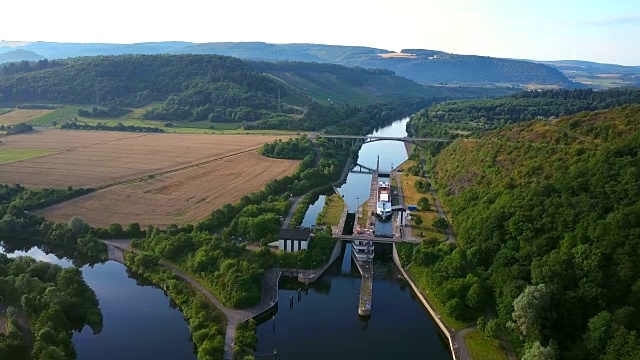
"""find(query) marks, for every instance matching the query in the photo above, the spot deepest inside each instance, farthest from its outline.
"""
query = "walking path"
(234, 316)
(451, 238)
(296, 202)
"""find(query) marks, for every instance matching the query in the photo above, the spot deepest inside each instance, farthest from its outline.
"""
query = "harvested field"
(96, 159)
(21, 115)
(180, 197)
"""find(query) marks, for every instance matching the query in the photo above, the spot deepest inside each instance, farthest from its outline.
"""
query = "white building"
(293, 240)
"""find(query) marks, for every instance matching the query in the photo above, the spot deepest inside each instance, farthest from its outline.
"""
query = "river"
(325, 323)
(139, 321)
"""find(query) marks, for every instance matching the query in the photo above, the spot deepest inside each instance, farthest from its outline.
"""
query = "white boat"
(363, 250)
(383, 208)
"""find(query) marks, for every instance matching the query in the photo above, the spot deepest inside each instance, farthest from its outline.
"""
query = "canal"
(325, 323)
(140, 322)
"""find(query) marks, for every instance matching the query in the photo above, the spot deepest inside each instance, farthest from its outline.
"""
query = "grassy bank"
(411, 197)
(332, 211)
(482, 348)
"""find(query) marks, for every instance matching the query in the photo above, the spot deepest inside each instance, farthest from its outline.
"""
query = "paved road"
(296, 202)
(234, 316)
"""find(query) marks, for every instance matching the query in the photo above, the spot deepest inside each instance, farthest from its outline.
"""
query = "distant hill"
(453, 118)
(597, 75)
(19, 55)
(425, 66)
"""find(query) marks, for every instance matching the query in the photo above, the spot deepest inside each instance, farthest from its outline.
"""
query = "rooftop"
(295, 234)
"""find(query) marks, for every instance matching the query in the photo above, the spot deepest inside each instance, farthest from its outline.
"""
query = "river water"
(325, 323)
(139, 321)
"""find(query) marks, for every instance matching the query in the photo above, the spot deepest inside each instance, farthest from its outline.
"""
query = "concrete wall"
(446, 331)
(309, 278)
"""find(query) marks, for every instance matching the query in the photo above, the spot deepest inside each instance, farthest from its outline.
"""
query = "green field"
(4, 111)
(482, 348)
(12, 155)
(66, 113)
(134, 118)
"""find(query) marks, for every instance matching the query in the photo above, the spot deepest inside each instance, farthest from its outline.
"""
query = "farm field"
(11, 155)
(180, 197)
(21, 115)
(93, 159)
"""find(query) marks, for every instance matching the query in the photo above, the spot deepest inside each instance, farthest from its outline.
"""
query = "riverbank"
(234, 316)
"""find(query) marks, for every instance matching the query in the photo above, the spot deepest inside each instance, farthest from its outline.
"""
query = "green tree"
(416, 219)
(423, 204)
(539, 352)
(528, 310)
(440, 224)
(78, 226)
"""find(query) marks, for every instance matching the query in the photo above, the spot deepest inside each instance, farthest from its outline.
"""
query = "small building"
(293, 240)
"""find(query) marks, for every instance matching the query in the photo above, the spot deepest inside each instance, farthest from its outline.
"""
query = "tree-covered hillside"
(453, 118)
(547, 216)
(218, 89)
(425, 66)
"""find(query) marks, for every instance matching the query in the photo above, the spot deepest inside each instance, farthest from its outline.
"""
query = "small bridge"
(369, 138)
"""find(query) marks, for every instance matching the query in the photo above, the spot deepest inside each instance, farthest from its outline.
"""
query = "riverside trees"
(53, 300)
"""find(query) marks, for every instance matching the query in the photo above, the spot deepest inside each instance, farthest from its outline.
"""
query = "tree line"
(74, 125)
(452, 118)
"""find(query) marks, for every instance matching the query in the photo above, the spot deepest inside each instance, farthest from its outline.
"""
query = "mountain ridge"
(444, 68)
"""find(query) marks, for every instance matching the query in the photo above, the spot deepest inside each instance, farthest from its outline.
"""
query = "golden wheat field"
(180, 197)
(91, 159)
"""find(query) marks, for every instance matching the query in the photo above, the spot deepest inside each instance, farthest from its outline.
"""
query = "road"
(296, 202)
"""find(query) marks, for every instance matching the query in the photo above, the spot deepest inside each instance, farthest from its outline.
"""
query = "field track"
(100, 159)
(21, 115)
(181, 196)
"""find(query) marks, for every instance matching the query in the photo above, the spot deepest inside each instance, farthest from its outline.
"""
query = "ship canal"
(324, 323)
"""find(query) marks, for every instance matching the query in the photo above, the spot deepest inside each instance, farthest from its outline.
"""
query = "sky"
(594, 30)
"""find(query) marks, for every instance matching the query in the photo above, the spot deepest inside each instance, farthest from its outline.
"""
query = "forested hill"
(208, 87)
(457, 117)
(548, 214)
(425, 66)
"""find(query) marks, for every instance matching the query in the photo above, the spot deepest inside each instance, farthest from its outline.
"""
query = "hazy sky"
(597, 30)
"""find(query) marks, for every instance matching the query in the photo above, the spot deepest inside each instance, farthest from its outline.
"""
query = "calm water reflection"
(139, 322)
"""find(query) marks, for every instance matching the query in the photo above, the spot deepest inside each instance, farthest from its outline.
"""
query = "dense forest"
(547, 220)
(451, 118)
(48, 301)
